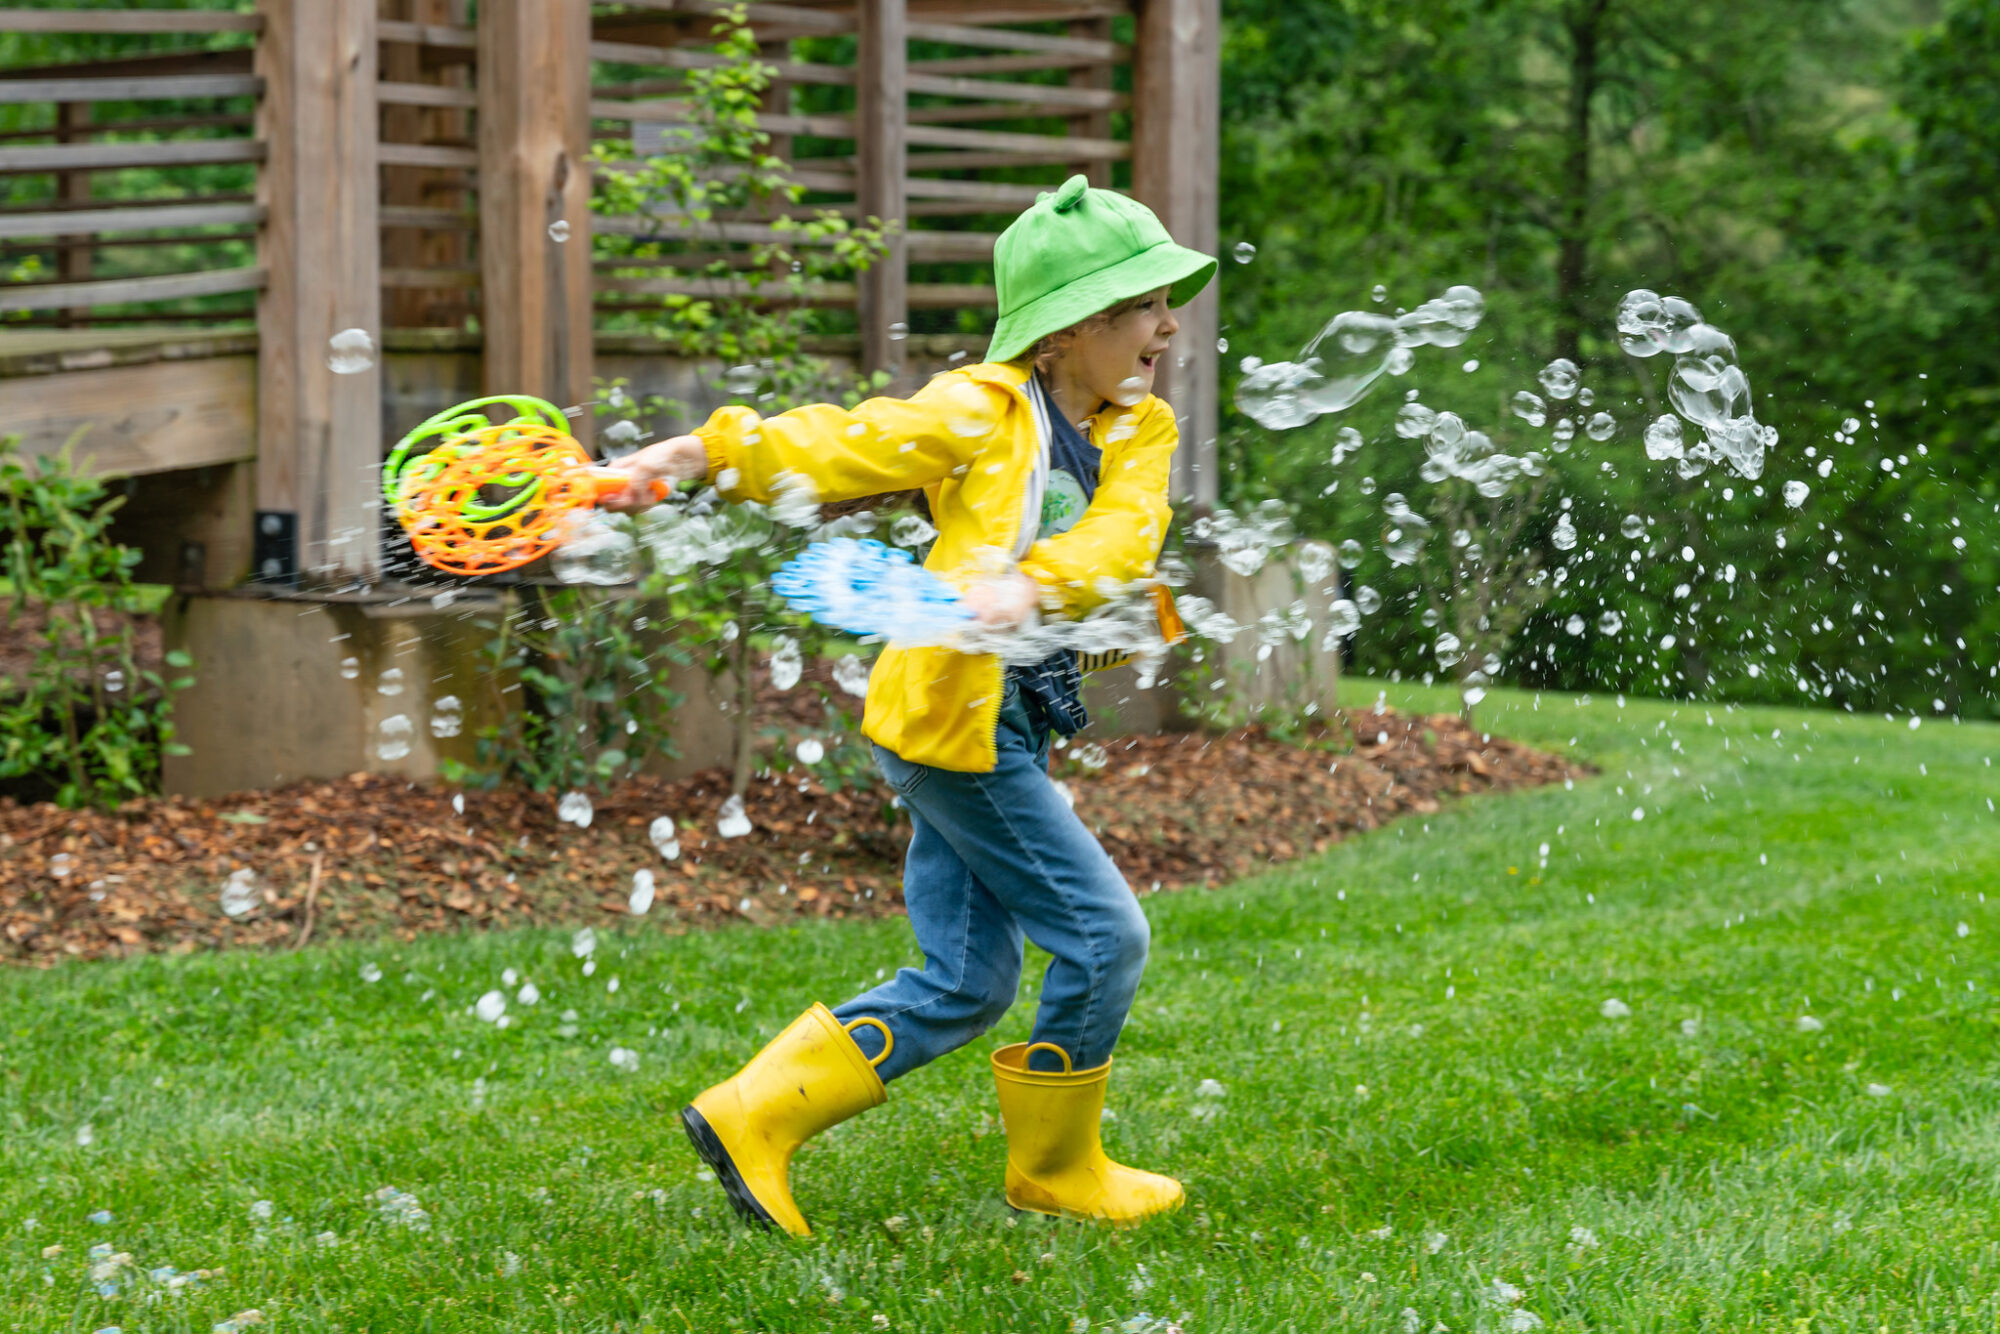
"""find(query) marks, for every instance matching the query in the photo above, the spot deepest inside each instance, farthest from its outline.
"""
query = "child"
(1046, 469)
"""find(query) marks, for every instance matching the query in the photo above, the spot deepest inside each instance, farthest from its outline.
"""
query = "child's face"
(1117, 363)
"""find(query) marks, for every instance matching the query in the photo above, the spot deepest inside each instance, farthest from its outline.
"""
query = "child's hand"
(683, 458)
(1002, 603)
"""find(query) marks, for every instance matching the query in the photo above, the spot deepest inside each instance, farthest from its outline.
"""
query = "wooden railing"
(389, 165)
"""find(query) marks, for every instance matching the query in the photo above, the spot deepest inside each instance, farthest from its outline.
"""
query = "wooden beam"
(124, 21)
(1027, 63)
(760, 15)
(105, 157)
(71, 222)
(427, 155)
(153, 417)
(936, 296)
(1176, 153)
(883, 58)
(424, 95)
(319, 434)
(1055, 95)
(534, 139)
(1092, 124)
(161, 87)
(667, 57)
(445, 36)
(129, 291)
(1006, 39)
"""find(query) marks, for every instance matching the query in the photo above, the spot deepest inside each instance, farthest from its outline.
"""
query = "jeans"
(994, 857)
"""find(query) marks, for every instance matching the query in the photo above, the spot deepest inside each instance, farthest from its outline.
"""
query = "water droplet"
(1471, 365)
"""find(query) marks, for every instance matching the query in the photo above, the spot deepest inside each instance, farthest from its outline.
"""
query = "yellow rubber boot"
(1055, 1161)
(809, 1077)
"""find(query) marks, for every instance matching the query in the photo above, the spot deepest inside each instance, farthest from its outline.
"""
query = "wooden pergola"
(390, 166)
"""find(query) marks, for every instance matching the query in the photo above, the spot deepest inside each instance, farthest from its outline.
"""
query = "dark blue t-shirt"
(1053, 687)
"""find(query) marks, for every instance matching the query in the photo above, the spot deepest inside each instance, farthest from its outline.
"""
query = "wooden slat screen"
(116, 210)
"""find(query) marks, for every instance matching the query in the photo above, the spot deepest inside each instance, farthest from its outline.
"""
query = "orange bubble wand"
(486, 498)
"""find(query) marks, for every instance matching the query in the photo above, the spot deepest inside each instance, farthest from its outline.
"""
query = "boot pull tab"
(888, 1038)
(1039, 1046)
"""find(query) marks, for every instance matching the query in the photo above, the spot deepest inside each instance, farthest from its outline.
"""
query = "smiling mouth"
(1147, 362)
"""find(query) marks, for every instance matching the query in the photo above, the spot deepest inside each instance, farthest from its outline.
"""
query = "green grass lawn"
(1433, 1115)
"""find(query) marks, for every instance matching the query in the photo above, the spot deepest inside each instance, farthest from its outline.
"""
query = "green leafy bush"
(85, 719)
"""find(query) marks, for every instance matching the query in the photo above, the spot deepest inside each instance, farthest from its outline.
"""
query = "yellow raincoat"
(970, 440)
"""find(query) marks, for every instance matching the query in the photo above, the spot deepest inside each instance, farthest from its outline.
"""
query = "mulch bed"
(1174, 810)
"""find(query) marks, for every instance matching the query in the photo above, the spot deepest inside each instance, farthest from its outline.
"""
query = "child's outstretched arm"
(882, 445)
(1119, 536)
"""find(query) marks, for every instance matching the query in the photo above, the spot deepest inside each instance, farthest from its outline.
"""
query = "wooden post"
(319, 434)
(1092, 124)
(73, 253)
(534, 186)
(883, 61)
(1176, 152)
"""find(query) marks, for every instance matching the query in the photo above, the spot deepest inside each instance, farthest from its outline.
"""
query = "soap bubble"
(624, 1058)
(1343, 618)
(1649, 323)
(393, 737)
(390, 682)
(576, 808)
(241, 892)
(1414, 421)
(595, 549)
(1634, 527)
(1379, 295)
(1130, 391)
(851, 675)
(350, 352)
(741, 381)
(371, 973)
(1664, 439)
(1564, 536)
(1574, 625)
(1407, 532)
(1559, 378)
(810, 751)
(1345, 442)
(787, 665)
(1315, 561)
(911, 530)
(1351, 553)
(1367, 600)
(665, 837)
(731, 822)
(1602, 426)
(584, 943)
(1448, 649)
(1221, 346)
(491, 1006)
(898, 331)
(1796, 493)
(1243, 252)
(1610, 623)
(1349, 354)
(447, 717)
(641, 898)
(559, 230)
(1530, 408)
(350, 668)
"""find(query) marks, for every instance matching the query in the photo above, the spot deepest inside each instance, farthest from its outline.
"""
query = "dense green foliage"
(86, 723)
(1818, 179)
(1420, 1090)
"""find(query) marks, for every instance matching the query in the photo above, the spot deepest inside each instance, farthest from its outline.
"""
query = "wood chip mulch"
(369, 855)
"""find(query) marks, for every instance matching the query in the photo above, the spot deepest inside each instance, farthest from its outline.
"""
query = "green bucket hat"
(1078, 251)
